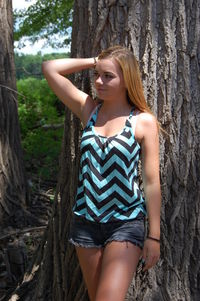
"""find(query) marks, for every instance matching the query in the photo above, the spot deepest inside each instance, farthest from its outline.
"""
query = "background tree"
(16, 210)
(45, 19)
(13, 188)
(164, 35)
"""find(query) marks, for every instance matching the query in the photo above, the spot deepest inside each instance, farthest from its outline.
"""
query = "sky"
(29, 47)
(19, 4)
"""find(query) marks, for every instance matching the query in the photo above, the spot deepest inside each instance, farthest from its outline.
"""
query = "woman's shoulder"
(147, 119)
(147, 124)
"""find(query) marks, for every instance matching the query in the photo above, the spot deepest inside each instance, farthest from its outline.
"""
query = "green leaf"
(46, 19)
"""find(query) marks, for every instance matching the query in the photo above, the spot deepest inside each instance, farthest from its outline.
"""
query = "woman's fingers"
(150, 262)
(151, 254)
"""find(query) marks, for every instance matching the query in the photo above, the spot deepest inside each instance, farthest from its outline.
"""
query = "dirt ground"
(18, 245)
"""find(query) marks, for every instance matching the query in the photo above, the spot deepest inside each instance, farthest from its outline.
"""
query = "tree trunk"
(13, 188)
(164, 35)
(15, 211)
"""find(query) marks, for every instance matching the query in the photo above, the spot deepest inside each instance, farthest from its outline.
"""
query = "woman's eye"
(95, 73)
(108, 76)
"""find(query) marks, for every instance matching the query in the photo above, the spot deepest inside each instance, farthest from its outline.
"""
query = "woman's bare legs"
(119, 263)
(90, 260)
(108, 272)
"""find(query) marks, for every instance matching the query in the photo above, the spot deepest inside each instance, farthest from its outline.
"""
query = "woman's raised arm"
(80, 103)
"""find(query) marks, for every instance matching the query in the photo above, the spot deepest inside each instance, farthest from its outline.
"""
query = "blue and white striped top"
(107, 186)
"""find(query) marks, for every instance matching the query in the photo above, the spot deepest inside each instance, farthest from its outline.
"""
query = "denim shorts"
(89, 234)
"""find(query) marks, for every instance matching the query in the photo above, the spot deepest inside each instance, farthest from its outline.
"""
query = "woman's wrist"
(95, 61)
(87, 62)
(153, 238)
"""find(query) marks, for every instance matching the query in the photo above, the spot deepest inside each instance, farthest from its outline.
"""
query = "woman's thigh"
(118, 265)
(90, 260)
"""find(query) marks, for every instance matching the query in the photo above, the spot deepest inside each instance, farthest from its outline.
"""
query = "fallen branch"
(23, 231)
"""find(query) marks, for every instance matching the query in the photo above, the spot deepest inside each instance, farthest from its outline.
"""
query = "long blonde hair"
(131, 74)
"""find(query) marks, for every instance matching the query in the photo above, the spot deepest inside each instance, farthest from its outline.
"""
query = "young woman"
(108, 216)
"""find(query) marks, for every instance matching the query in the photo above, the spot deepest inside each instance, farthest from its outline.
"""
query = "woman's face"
(108, 80)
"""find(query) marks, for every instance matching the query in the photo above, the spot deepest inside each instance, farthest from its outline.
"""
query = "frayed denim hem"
(126, 241)
(83, 245)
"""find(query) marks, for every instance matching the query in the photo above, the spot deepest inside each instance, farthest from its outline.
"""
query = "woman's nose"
(99, 80)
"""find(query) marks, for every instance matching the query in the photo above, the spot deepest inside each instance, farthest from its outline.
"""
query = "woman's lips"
(100, 89)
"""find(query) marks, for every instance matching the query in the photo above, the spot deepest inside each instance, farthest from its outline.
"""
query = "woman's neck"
(115, 108)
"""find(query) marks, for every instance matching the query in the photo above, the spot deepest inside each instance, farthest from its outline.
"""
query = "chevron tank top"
(107, 187)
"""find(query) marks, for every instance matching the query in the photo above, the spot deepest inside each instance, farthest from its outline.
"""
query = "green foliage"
(38, 106)
(30, 65)
(42, 151)
(48, 19)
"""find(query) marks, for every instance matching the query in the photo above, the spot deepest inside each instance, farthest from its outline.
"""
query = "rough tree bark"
(164, 35)
(13, 188)
(16, 210)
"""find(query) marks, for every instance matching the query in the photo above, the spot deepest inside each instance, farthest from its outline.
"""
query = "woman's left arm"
(151, 182)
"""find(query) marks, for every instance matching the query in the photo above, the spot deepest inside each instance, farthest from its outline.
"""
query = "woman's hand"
(151, 253)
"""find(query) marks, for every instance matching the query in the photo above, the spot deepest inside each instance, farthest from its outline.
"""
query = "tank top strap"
(132, 113)
(132, 119)
(93, 117)
(128, 120)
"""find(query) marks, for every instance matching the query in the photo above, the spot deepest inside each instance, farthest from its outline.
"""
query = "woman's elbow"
(46, 67)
